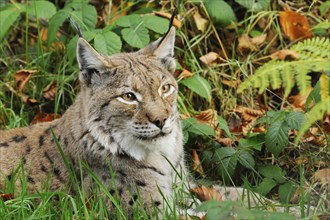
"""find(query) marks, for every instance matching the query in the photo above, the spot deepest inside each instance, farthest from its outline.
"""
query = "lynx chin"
(124, 117)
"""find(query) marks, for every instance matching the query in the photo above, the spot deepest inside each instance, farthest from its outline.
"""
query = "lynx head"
(130, 98)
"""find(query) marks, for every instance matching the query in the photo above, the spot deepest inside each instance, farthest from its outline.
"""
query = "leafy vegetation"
(274, 141)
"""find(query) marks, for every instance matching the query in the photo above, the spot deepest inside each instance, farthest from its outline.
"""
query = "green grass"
(18, 51)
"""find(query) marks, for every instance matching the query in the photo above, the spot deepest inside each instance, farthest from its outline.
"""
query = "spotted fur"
(125, 116)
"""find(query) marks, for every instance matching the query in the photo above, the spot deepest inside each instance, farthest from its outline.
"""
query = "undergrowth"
(241, 138)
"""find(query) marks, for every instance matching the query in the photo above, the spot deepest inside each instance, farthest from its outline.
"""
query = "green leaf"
(314, 95)
(254, 142)
(155, 23)
(295, 120)
(55, 23)
(286, 191)
(324, 8)
(107, 43)
(128, 20)
(265, 186)
(136, 36)
(224, 126)
(205, 206)
(273, 171)
(226, 161)
(277, 137)
(246, 159)
(220, 12)
(8, 16)
(191, 125)
(266, 215)
(44, 9)
(198, 85)
(224, 210)
(86, 16)
(254, 5)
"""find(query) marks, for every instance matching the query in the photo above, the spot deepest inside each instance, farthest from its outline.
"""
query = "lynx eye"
(129, 97)
(166, 90)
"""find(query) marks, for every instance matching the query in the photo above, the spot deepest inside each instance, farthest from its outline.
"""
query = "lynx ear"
(163, 49)
(166, 45)
(90, 63)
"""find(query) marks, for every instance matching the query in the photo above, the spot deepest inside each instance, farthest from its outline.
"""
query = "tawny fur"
(140, 139)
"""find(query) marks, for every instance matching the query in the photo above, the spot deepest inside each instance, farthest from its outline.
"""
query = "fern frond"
(313, 55)
(315, 47)
(324, 86)
(315, 114)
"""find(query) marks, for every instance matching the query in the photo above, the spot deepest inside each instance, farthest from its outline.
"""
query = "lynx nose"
(159, 121)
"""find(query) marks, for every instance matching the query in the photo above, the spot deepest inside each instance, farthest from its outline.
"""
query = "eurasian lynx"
(125, 115)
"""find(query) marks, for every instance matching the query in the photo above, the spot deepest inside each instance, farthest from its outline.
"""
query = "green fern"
(315, 114)
(312, 55)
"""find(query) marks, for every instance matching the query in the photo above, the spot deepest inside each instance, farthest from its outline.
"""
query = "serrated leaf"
(286, 191)
(273, 171)
(254, 142)
(136, 36)
(295, 120)
(86, 16)
(155, 23)
(226, 161)
(220, 12)
(265, 186)
(8, 16)
(246, 159)
(198, 85)
(277, 137)
(44, 9)
(128, 20)
(107, 43)
(254, 5)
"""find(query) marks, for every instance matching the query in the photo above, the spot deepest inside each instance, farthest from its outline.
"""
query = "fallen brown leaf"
(200, 22)
(225, 141)
(44, 117)
(209, 117)
(22, 96)
(49, 92)
(206, 193)
(294, 25)
(323, 176)
(251, 44)
(185, 74)
(6, 197)
(249, 115)
(176, 22)
(209, 57)
(298, 101)
(231, 83)
(283, 54)
(258, 40)
(22, 77)
(196, 163)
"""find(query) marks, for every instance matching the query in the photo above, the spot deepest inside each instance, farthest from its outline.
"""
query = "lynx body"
(124, 116)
